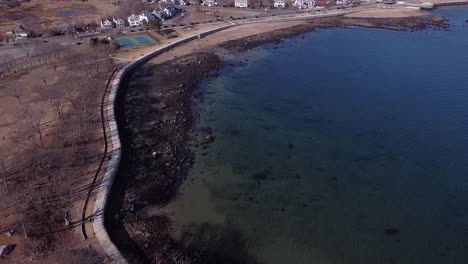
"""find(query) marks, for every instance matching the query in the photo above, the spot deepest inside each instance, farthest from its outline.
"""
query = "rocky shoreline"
(156, 117)
(155, 120)
(399, 24)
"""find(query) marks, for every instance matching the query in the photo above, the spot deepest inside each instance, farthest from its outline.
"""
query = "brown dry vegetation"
(50, 144)
(48, 12)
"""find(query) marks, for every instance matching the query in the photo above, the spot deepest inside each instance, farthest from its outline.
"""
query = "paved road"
(256, 13)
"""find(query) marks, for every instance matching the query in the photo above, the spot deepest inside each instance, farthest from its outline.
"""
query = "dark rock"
(261, 176)
(208, 139)
(234, 132)
(392, 231)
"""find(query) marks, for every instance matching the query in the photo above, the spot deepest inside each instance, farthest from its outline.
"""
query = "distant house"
(170, 11)
(241, 3)
(169, 2)
(133, 20)
(159, 14)
(343, 2)
(106, 23)
(279, 3)
(146, 16)
(20, 32)
(209, 2)
(118, 22)
(304, 4)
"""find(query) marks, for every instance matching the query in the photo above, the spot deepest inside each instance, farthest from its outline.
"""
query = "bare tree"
(16, 89)
(228, 3)
(55, 100)
(3, 169)
(32, 24)
(47, 24)
(32, 120)
(267, 3)
(255, 3)
(20, 210)
(3, 172)
(6, 61)
(128, 7)
(77, 256)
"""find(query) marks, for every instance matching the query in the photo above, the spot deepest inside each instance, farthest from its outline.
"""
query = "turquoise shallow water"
(337, 146)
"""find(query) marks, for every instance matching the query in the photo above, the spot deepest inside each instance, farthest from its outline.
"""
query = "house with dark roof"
(118, 22)
(106, 23)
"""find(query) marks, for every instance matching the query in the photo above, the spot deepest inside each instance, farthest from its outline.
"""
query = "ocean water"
(345, 145)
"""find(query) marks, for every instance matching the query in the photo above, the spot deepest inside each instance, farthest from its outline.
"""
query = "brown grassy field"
(51, 143)
(49, 13)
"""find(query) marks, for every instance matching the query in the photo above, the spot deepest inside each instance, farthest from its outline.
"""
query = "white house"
(304, 4)
(241, 3)
(133, 20)
(119, 22)
(279, 3)
(106, 23)
(20, 32)
(343, 2)
(209, 2)
(146, 16)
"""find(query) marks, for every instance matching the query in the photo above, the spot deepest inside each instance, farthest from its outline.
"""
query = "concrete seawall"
(451, 3)
(104, 188)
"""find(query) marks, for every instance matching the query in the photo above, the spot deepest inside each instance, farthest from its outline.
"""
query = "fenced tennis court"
(136, 40)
